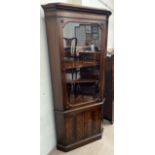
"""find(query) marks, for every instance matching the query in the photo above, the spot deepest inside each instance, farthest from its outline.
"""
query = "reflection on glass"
(82, 49)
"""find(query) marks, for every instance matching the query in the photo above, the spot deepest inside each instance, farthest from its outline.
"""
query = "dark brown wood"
(78, 64)
(109, 91)
(55, 61)
(79, 124)
(79, 143)
(75, 8)
(78, 120)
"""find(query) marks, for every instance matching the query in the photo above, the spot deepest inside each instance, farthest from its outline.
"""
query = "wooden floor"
(105, 146)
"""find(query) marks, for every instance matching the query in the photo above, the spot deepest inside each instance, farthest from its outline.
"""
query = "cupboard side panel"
(60, 128)
(55, 63)
(103, 62)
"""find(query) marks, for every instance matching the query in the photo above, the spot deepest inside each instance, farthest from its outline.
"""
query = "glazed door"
(83, 62)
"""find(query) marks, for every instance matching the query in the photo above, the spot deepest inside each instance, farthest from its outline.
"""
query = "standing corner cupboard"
(77, 44)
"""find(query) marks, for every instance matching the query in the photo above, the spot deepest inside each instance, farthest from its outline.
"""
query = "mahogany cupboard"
(77, 44)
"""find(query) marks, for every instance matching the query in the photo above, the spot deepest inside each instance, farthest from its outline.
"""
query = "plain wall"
(98, 4)
(47, 128)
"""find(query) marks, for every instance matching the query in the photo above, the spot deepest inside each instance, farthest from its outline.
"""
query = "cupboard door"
(83, 56)
(82, 125)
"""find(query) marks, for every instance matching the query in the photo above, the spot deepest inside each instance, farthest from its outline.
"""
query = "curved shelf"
(82, 81)
(82, 99)
(79, 64)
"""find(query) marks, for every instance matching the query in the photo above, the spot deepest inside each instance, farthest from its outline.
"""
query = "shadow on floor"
(106, 122)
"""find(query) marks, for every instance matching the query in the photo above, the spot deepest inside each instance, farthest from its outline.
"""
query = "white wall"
(78, 2)
(97, 4)
(47, 128)
(52, 1)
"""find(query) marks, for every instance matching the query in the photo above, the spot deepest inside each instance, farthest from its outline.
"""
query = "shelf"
(92, 52)
(82, 81)
(81, 99)
(79, 64)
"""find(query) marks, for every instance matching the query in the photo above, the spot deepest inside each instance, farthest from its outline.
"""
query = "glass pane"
(82, 49)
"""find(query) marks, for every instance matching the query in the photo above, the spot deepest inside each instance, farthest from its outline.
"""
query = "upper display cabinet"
(77, 45)
(83, 54)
